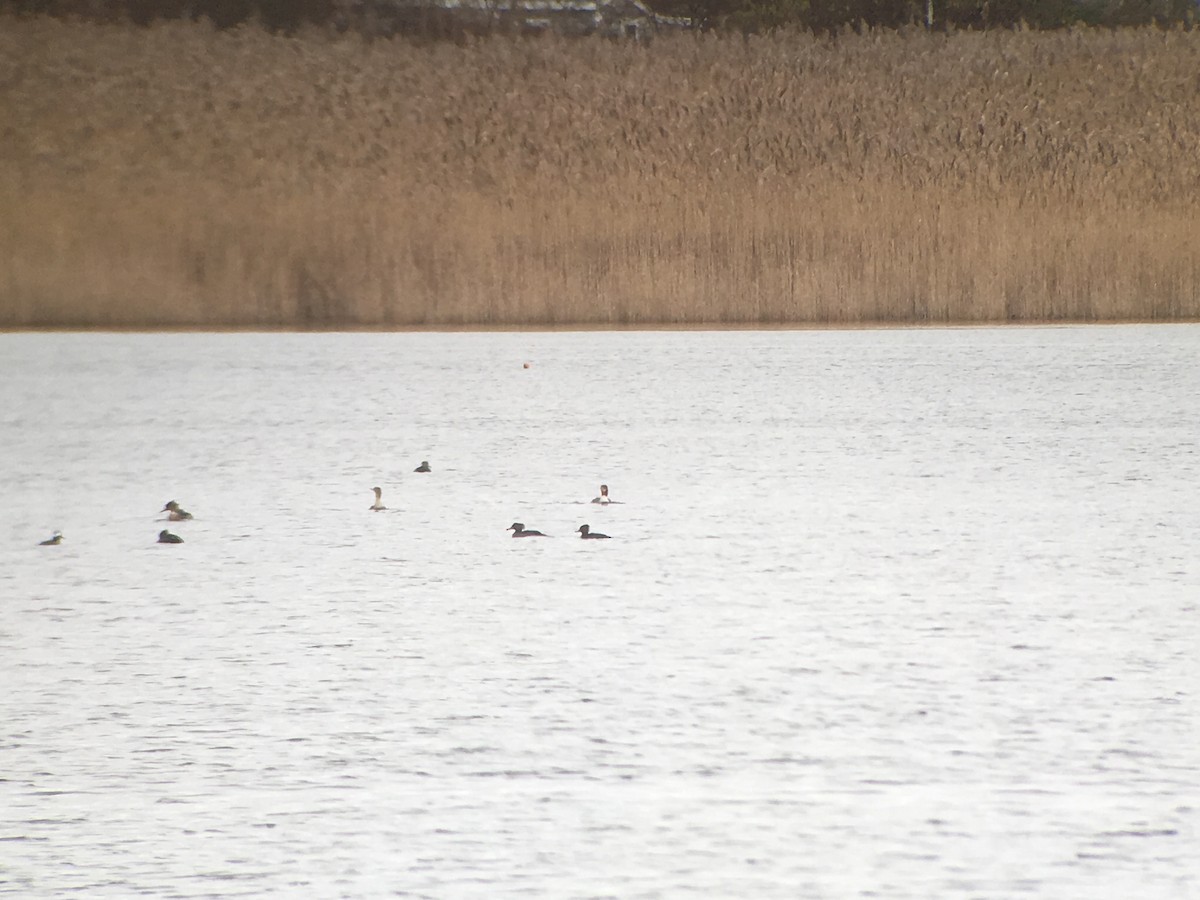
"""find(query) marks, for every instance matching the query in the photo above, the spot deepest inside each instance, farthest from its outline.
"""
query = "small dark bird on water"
(176, 512)
(52, 541)
(423, 467)
(587, 534)
(518, 529)
(165, 537)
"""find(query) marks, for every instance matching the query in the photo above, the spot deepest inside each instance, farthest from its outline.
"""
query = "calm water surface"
(901, 614)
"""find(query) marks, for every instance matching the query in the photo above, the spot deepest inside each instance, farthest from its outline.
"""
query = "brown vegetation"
(176, 176)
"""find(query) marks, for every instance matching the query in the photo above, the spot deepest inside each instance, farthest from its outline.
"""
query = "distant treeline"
(276, 15)
(744, 15)
(832, 16)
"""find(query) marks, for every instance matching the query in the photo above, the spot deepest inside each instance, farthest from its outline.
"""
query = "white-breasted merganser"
(177, 512)
(165, 537)
(423, 467)
(53, 541)
(587, 534)
(378, 504)
(518, 529)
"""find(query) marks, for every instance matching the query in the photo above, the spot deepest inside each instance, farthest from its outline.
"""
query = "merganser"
(378, 504)
(423, 467)
(587, 534)
(52, 541)
(165, 537)
(518, 529)
(603, 498)
(177, 513)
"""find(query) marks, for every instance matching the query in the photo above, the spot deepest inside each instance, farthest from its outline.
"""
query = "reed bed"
(175, 176)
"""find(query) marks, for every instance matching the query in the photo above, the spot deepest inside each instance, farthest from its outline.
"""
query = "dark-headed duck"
(423, 467)
(176, 513)
(587, 534)
(378, 504)
(518, 529)
(165, 537)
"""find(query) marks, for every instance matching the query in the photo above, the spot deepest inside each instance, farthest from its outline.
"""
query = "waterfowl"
(603, 498)
(423, 467)
(378, 504)
(518, 529)
(177, 512)
(587, 534)
(52, 541)
(165, 537)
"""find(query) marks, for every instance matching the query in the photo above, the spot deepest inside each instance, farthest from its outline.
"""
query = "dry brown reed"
(179, 177)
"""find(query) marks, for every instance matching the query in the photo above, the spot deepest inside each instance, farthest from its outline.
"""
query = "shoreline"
(590, 329)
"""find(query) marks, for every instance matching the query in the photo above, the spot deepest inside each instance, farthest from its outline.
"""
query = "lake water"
(898, 614)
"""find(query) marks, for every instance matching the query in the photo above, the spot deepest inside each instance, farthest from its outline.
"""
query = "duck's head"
(516, 526)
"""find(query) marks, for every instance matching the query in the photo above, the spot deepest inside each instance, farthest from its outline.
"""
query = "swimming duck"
(587, 534)
(378, 504)
(165, 537)
(603, 498)
(518, 529)
(52, 541)
(177, 512)
(423, 467)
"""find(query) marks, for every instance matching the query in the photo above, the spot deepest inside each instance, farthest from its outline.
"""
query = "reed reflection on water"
(911, 612)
